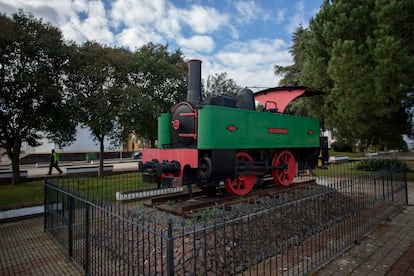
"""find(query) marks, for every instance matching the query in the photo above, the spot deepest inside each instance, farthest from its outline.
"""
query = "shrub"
(376, 165)
(341, 146)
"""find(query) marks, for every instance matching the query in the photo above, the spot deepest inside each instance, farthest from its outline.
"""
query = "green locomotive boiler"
(223, 142)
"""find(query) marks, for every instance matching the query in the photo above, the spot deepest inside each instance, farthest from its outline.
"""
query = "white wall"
(84, 142)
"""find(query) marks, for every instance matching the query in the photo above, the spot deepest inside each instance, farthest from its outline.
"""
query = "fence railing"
(291, 233)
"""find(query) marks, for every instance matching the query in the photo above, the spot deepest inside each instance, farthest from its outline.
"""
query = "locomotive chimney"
(194, 81)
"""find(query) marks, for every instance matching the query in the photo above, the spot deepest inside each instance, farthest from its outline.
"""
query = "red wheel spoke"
(284, 175)
(243, 184)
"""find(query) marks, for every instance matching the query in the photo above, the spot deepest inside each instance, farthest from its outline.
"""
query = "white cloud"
(96, 25)
(169, 24)
(247, 10)
(200, 30)
(259, 77)
(251, 63)
(203, 20)
(129, 23)
(253, 52)
(136, 12)
(297, 19)
(250, 11)
(71, 30)
(79, 20)
(200, 42)
(280, 16)
(134, 38)
(54, 12)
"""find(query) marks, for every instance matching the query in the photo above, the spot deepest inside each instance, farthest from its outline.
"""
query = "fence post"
(170, 250)
(405, 186)
(86, 222)
(44, 206)
(392, 187)
(70, 228)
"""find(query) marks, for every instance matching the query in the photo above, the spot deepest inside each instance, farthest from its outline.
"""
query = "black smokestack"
(194, 81)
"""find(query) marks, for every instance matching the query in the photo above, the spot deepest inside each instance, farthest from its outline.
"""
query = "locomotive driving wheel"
(242, 184)
(286, 167)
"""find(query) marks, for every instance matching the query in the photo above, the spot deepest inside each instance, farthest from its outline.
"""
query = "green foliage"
(34, 59)
(158, 81)
(220, 84)
(375, 165)
(97, 80)
(362, 55)
(291, 73)
(109, 90)
(342, 146)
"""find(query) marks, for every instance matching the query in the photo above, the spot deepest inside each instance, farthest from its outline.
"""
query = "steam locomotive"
(224, 142)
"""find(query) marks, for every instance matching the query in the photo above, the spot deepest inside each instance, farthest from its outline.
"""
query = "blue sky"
(242, 38)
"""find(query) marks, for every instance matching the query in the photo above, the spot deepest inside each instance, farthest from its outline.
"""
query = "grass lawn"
(348, 170)
(349, 154)
(23, 195)
(31, 193)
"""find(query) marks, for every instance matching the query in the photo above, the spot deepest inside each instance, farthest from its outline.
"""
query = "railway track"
(180, 203)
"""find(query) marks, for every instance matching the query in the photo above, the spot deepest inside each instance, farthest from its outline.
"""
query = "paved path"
(117, 166)
(389, 250)
(25, 249)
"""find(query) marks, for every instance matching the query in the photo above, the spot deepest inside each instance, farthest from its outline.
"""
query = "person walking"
(54, 162)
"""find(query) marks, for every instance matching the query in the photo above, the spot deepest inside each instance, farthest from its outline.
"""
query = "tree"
(33, 60)
(158, 81)
(290, 74)
(98, 81)
(220, 84)
(361, 54)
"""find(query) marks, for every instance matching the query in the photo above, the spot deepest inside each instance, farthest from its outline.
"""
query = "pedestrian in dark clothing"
(54, 162)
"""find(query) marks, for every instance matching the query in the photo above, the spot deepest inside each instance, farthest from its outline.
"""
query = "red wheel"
(287, 171)
(242, 184)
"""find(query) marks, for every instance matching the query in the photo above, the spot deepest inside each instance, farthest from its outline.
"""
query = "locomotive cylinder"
(194, 81)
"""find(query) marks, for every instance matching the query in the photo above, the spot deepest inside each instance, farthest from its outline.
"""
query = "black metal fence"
(291, 233)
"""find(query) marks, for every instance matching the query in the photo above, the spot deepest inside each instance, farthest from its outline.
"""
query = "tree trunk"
(101, 156)
(14, 154)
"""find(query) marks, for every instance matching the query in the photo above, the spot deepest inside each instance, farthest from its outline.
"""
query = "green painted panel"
(223, 127)
(164, 130)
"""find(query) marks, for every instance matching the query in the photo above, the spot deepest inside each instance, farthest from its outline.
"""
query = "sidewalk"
(389, 250)
(125, 165)
(25, 249)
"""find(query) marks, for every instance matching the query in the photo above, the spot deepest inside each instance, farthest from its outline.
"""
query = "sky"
(244, 38)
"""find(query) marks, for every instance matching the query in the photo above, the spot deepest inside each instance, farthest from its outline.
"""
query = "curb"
(21, 212)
